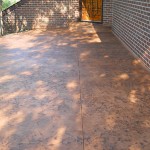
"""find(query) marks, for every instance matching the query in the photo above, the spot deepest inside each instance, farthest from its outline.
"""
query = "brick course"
(131, 23)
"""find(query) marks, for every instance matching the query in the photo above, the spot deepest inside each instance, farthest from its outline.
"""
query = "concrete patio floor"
(76, 89)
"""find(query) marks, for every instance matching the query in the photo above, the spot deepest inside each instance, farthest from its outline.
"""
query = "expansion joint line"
(81, 106)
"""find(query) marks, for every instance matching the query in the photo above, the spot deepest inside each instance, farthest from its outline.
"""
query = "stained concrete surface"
(72, 90)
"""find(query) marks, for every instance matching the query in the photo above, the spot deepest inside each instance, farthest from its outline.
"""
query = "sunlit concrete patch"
(132, 96)
(7, 78)
(123, 76)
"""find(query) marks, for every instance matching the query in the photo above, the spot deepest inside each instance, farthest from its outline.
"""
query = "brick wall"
(107, 12)
(74, 10)
(31, 14)
(131, 23)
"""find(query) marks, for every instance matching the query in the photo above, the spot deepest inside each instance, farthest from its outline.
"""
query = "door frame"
(80, 9)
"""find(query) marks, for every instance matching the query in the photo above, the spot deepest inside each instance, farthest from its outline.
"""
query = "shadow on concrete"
(77, 88)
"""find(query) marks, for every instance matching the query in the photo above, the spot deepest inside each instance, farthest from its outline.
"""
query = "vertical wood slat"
(92, 10)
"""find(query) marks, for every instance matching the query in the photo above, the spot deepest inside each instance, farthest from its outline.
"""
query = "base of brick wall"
(132, 53)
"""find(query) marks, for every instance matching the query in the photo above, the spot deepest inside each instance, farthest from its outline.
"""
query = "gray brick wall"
(107, 12)
(131, 23)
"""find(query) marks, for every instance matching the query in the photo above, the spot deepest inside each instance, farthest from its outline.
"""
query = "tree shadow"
(40, 96)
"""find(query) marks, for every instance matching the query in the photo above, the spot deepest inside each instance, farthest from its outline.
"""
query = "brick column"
(107, 12)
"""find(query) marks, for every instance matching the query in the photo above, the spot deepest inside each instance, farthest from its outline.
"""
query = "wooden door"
(92, 10)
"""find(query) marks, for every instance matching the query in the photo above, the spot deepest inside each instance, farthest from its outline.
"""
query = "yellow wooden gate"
(92, 10)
